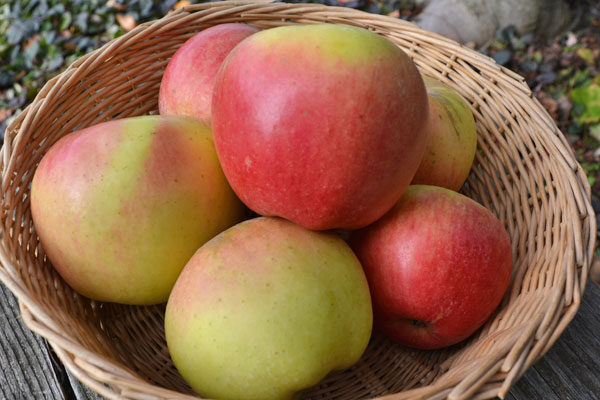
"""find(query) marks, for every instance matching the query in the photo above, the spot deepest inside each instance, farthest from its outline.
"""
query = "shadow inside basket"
(133, 338)
(136, 333)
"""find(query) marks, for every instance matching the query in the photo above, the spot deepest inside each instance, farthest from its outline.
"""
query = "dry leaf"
(31, 41)
(127, 22)
(5, 113)
(115, 5)
(180, 4)
(549, 104)
(394, 14)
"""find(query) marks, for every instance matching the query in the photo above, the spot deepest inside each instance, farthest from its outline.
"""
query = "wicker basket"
(524, 172)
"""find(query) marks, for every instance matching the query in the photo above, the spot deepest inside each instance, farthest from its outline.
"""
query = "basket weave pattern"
(524, 172)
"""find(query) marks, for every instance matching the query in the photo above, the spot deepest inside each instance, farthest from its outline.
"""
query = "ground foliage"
(39, 38)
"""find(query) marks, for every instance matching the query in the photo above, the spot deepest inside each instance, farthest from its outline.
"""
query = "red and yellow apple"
(452, 138)
(121, 206)
(320, 124)
(267, 309)
(189, 78)
(438, 264)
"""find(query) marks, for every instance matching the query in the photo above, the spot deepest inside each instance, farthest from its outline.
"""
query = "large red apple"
(188, 81)
(438, 264)
(320, 124)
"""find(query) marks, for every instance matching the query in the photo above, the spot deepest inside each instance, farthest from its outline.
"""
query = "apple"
(320, 124)
(452, 138)
(438, 264)
(189, 78)
(267, 309)
(120, 207)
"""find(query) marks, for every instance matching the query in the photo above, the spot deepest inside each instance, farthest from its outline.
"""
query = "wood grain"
(80, 391)
(571, 369)
(26, 370)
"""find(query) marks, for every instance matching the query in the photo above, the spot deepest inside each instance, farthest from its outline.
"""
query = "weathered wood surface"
(26, 370)
(569, 371)
(571, 368)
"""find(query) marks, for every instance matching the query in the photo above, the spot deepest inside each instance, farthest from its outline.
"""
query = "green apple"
(452, 138)
(267, 309)
(120, 207)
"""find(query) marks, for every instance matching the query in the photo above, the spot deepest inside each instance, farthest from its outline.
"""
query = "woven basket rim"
(91, 368)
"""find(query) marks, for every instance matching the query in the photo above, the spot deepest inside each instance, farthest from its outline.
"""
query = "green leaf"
(502, 57)
(586, 54)
(16, 32)
(31, 52)
(579, 78)
(58, 8)
(81, 21)
(569, 49)
(6, 78)
(145, 8)
(575, 128)
(595, 132)
(55, 62)
(48, 37)
(589, 97)
(65, 21)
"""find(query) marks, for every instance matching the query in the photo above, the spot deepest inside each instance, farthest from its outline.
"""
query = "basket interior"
(521, 173)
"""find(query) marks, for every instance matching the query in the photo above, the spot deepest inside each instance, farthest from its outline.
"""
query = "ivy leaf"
(49, 37)
(6, 78)
(502, 57)
(55, 63)
(16, 32)
(58, 9)
(81, 21)
(589, 97)
(145, 8)
(41, 10)
(30, 53)
(65, 21)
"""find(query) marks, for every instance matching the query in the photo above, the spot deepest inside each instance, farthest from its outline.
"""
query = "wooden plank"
(26, 368)
(81, 391)
(72, 387)
(571, 369)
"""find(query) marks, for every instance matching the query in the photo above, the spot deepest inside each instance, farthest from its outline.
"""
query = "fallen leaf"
(394, 14)
(502, 57)
(586, 54)
(571, 39)
(127, 22)
(31, 41)
(589, 98)
(180, 4)
(115, 5)
(550, 105)
(5, 113)
(70, 46)
(564, 106)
